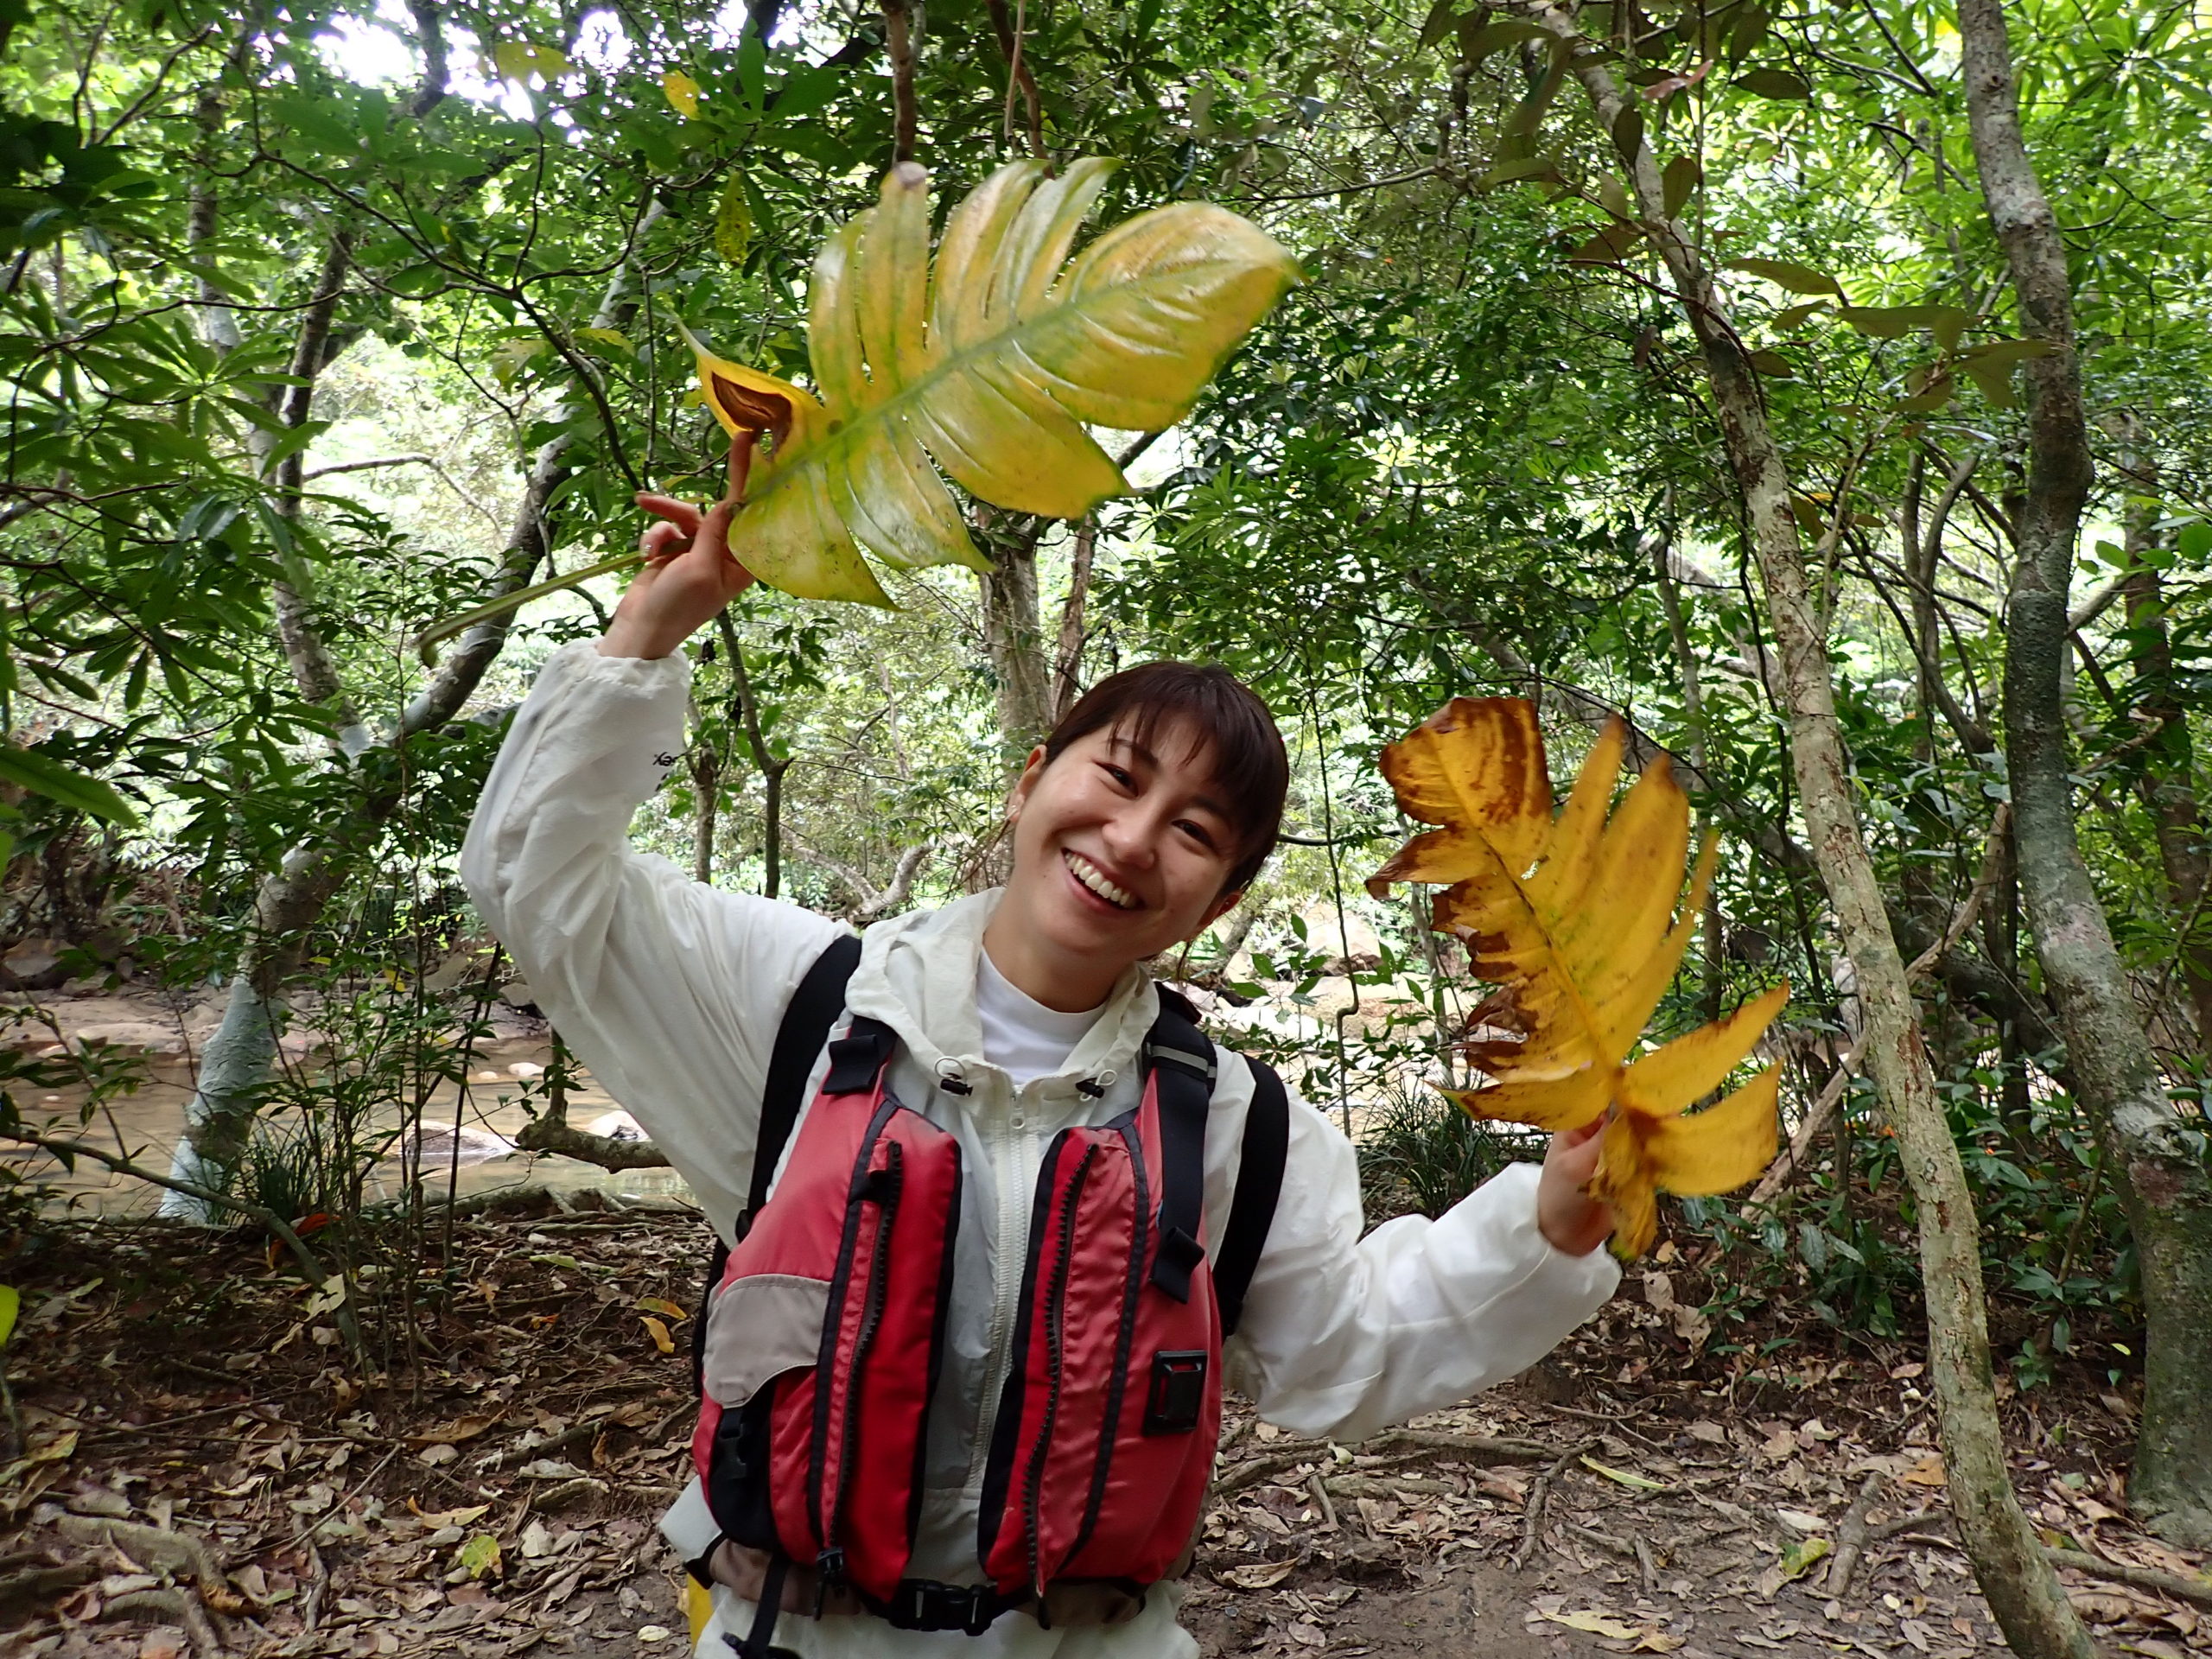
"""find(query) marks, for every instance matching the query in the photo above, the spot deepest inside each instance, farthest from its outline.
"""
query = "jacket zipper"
(1007, 1287)
(1055, 1344)
(828, 1518)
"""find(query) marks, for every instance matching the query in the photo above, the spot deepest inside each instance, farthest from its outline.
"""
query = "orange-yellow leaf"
(1583, 920)
(658, 1333)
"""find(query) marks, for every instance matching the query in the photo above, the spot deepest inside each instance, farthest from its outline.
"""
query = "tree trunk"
(235, 1064)
(771, 768)
(706, 804)
(1014, 637)
(1067, 661)
(2168, 782)
(2165, 1186)
(2020, 1585)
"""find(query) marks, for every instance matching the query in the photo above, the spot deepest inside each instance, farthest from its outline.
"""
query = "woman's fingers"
(664, 541)
(680, 513)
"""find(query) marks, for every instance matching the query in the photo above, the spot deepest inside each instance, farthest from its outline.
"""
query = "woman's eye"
(1117, 774)
(1197, 832)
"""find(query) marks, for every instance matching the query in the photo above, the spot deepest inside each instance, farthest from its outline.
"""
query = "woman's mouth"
(1096, 880)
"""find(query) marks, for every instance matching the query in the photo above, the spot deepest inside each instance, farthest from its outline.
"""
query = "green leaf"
(2194, 542)
(1748, 31)
(991, 363)
(1932, 392)
(1784, 321)
(1627, 131)
(1438, 24)
(1881, 322)
(1478, 40)
(11, 1301)
(520, 60)
(1525, 166)
(1798, 1559)
(1614, 196)
(479, 1556)
(1683, 175)
(1610, 247)
(1772, 363)
(1798, 279)
(46, 776)
(734, 219)
(1773, 83)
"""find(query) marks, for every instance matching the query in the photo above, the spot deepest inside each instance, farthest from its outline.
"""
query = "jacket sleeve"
(668, 989)
(1345, 1336)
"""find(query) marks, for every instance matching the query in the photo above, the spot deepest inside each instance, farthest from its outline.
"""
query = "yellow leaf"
(1639, 1483)
(1798, 1559)
(658, 1333)
(663, 1306)
(682, 92)
(435, 1519)
(986, 364)
(1582, 919)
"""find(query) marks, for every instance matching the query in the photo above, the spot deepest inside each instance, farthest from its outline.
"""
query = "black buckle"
(924, 1604)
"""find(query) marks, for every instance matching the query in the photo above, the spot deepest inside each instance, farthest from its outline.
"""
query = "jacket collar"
(917, 973)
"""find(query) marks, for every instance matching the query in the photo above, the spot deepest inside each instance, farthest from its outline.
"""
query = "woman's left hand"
(1572, 1220)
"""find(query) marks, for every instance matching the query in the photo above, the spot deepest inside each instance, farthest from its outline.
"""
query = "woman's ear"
(1220, 908)
(1031, 769)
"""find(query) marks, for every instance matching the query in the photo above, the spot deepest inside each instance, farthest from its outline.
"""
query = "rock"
(617, 1126)
(33, 964)
(516, 995)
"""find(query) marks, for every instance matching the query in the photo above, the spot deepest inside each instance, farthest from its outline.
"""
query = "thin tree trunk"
(771, 768)
(1014, 637)
(2165, 1186)
(1067, 661)
(2168, 782)
(706, 769)
(2018, 1583)
(1713, 925)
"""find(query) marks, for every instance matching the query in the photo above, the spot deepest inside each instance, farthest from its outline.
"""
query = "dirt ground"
(202, 1471)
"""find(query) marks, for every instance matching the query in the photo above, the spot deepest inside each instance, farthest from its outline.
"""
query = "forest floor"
(200, 1473)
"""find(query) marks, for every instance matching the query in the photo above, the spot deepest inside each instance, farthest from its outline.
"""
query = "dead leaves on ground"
(1575, 917)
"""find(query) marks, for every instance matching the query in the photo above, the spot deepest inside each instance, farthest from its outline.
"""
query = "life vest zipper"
(828, 1516)
(1055, 1349)
(1118, 1386)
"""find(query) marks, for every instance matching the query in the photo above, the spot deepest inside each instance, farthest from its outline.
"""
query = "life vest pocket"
(757, 1329)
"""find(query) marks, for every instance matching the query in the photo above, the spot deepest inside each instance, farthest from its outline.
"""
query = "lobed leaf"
(1583, 921)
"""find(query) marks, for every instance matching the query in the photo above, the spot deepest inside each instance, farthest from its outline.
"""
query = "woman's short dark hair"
(1250, 765)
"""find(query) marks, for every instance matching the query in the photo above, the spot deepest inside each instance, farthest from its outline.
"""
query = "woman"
(1016, 1014)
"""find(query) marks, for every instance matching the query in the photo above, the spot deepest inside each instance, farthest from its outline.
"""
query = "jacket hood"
(917, 973)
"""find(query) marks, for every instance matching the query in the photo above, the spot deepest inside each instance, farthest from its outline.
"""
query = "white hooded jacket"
(671, 992)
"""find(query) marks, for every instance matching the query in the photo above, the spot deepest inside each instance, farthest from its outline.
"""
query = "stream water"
(465, 1141)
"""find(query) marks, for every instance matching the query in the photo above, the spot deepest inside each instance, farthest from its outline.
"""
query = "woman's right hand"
(689, 575)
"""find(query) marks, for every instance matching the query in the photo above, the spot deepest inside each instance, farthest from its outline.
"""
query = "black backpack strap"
(1178, 1056)
(814, 1008)
(1259, 1185)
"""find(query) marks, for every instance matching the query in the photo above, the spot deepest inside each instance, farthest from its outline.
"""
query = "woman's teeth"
(1092, 877)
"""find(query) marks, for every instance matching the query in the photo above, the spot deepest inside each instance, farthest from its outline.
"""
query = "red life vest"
(826, 1330)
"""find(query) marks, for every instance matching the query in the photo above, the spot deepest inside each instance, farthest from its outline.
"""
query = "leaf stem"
(426, 644)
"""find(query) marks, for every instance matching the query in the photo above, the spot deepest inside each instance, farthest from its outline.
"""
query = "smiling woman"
(1025, 1202)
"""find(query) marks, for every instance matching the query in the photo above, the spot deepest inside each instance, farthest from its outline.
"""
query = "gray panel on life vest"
(761, 1328)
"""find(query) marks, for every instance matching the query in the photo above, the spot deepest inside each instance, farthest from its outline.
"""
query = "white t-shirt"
(1021, 1036)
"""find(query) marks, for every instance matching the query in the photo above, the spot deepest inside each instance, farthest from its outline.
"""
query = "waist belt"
(919, 1604)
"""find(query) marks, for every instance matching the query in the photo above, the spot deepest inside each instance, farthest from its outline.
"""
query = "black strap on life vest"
(1180, 1060)
(1259, 1184)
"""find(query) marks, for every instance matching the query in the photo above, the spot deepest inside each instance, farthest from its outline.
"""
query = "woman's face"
(1120, 851)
